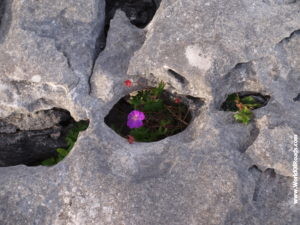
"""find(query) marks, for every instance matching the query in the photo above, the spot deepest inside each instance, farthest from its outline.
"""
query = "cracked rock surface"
(215, 172)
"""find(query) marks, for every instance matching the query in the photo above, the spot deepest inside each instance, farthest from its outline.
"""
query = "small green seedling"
(70, 139)
(242, 106)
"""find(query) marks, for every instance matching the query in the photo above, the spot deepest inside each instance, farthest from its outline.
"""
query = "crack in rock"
(280, 2)
(287, 39)
(2, 10)
(139, 13)
(30, 138)
(5, 18)
(297, 98)
(123, 39)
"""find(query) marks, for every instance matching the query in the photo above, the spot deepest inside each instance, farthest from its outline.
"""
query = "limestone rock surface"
(215, 172)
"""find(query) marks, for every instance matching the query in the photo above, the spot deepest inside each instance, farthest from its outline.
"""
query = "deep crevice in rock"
(254, 169)
(5, 18)
(181, 79)
(2, 10)
(195, 104)
(254, 132)
(98, 48)
(262, 99)
(33, 137)
(139, 13)
(280, 2)
(297, 98)
(286, 39)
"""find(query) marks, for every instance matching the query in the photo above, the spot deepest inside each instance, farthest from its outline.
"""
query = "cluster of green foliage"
(70, 139)
(242, 106)
(163, 116)
(148, 100)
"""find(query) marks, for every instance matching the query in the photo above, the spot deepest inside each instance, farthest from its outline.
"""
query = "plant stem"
(179, 119)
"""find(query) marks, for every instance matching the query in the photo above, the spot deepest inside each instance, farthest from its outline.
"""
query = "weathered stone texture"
(215, 172)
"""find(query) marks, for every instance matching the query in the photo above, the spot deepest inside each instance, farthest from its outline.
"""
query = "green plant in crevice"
(154, 115)
(148, 100)
(70, 139)
(242, 106)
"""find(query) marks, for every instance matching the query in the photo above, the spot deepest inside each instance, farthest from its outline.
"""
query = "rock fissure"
(30, 138)
(287, 39)
(2, 10)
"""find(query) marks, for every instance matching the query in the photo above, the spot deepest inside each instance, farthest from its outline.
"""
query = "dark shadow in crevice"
(195, 104)
(259, 98)
(181, 79)
(2, 10)
(33, 137)
(196, 100)
(254, 169)
(287, 39)
(5, 18)
(297, 98)
(280, 2)
(139, 12)
(254, 132)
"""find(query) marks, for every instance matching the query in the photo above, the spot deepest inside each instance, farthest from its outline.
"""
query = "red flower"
(130, 139)
(128, 83)
(177, 100)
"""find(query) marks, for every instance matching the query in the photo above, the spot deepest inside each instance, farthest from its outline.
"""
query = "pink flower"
(135, 119)
(177, 100)
(128, 83)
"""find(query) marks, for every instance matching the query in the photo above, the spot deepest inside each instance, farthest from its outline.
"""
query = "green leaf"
(140, 134)
(248, 100)
(251, 102)
(230, 103)
(162, 131)
(71, 146)
(135, 101)
(164, 122)
(153, 106)
(62, 152)
(244, 116)
(70, 139)
(157, 91)
(49, 162)
(253, 106)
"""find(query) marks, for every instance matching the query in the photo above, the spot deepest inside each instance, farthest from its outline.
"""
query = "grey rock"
(33, 137)
(31, 147)
(111, 66)
(36, 121)
(214, 172)
(50, 42)
(273, 148)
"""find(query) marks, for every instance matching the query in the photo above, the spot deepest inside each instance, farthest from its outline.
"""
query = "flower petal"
(134, 123)
(141, 116)
(128, 83)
